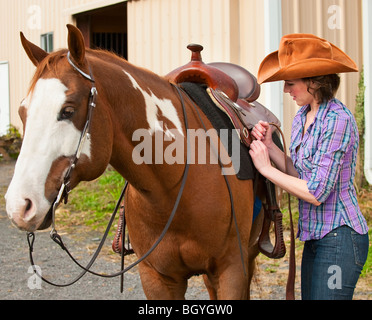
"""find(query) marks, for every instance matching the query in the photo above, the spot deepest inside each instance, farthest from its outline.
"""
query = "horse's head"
(54, 114)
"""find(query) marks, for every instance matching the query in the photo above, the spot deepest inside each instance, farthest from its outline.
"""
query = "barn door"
(106, 28)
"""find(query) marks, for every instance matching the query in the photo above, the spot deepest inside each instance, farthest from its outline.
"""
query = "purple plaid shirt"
(325, 156)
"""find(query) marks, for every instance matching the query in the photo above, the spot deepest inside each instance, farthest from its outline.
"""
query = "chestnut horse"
(202, 238)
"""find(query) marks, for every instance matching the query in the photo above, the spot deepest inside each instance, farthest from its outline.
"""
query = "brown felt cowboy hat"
(304, 55)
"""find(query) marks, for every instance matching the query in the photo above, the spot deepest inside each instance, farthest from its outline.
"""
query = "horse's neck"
(142, 103)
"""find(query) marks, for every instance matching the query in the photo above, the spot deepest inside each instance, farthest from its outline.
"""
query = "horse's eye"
(66, 113)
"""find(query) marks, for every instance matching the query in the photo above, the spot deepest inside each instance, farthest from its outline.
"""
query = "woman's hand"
(262, 132)
(260, 156)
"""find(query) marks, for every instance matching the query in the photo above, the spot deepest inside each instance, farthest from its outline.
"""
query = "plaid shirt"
(325, 156)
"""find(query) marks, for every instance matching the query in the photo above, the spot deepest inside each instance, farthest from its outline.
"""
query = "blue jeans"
(331, 266)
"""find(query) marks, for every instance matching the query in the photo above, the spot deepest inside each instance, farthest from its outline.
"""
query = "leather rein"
(290, 287)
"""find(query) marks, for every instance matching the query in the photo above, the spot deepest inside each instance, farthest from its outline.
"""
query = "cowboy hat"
(302, 56)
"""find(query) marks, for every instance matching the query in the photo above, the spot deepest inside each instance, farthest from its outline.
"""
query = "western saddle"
(232, 88)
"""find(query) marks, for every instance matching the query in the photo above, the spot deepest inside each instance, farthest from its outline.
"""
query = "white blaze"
(45, 140)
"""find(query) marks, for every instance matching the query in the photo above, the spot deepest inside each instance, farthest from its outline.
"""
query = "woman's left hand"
(260, 156)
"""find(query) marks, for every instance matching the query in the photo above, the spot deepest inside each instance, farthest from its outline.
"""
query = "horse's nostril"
(29, 212)
(29, 205)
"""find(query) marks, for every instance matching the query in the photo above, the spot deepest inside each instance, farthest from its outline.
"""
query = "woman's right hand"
(262, 132)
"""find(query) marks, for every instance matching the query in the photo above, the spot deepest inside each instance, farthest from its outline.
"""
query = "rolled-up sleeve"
(328, 159)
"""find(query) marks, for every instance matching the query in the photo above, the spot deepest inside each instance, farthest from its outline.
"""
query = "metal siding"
(160, 30)
(4, 98)
(252, 46)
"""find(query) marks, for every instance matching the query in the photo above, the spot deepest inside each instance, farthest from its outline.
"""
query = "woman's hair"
(323, 88)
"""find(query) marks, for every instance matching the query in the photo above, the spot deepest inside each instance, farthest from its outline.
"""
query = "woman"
(321, 169)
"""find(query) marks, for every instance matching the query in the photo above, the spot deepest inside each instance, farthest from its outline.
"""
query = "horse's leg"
(211, 289)
(228, 281)
(253, 253)
(160, 287)
(212, 283)
(253, 250)
(233, 284)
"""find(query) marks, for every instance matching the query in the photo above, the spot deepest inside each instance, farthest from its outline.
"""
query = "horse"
(202, 238)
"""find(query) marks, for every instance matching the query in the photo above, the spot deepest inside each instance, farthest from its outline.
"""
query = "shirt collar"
(320, 115)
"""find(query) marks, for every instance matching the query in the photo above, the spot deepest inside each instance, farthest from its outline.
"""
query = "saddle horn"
(198, 72)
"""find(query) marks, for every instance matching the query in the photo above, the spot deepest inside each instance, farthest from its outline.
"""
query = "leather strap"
(290, 289)
(272, 214)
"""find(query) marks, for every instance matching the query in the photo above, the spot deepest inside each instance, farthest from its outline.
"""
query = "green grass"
(365, 203)
(367, 270)
(92, 203)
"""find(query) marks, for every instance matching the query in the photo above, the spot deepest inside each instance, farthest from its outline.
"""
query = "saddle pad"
(219, 120)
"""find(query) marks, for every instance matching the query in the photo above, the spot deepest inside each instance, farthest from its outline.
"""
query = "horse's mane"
(106, 55)
(50, 63)
(123, 63)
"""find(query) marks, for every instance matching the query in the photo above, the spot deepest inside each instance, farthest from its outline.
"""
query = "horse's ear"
(76, 44)
(35, 53)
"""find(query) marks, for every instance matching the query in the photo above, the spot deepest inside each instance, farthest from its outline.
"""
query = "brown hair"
(323, 88)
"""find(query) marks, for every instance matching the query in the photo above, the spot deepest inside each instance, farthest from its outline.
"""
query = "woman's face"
(297, 88)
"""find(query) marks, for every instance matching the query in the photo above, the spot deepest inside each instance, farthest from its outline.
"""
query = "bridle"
(66, 189)
(85, 135)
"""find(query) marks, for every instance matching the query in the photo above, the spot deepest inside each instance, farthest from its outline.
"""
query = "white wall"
(4, 98)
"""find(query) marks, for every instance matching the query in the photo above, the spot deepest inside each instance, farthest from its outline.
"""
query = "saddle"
(197, 71)
(232, 88)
